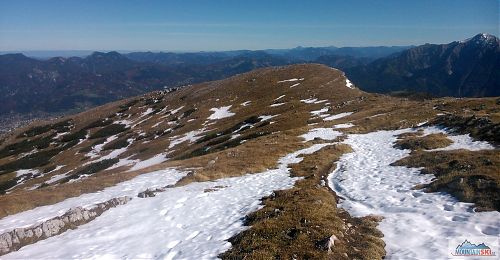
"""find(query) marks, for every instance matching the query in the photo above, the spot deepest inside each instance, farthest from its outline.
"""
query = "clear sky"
(188, 25)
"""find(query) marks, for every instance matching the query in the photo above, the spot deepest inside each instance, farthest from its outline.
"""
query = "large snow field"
(188, 222)
(128, 188)
(416, 225)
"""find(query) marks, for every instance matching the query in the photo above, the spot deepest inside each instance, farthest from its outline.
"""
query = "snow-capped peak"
(482, 38)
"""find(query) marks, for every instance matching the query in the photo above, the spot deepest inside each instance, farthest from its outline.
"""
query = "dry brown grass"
(428, 142)
(293, 221)
(470, 176)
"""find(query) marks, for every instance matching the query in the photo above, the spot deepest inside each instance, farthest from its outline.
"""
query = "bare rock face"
(19, 237)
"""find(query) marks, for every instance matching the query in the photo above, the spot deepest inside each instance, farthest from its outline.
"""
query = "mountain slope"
(468, 68)
(283, 162)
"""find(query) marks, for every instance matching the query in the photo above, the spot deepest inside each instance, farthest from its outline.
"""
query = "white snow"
(246, 103)
(280, 97)
(147, 112)
(191, 136)
(277, 104)
(290, 80)
(24, 172)
(294, 85)
(309, 100)
(176, 110)
(416, 225)
(58, 167)
(96, 150)
(182, 223)
(319, 112)
(337, 116)
(313, 101)
(157, 124)
(127, 188)
(124, 162)
(322, 133)
(377, 115)
(459, 141)
(347, 125)
(57, 177)
(348, 83)
(267, 117)
(157, 159)
(125, 122)
(221, 112)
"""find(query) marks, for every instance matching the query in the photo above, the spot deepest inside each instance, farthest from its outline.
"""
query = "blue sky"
(225, 25)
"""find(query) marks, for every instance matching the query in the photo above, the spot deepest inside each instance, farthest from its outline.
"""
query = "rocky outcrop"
(19, 237)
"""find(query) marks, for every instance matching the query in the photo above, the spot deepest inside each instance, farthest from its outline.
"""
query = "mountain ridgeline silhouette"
(467, 68)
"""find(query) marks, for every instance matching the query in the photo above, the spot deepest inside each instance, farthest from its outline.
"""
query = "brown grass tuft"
(470, 176)
(428, 142)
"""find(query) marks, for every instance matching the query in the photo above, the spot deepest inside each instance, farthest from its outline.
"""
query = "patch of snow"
(57, 177)
(221, 112)
(377, 115)
(309, 100)
(348, 83)
(58, 135)
(280, 97)
(246, 103)
(191, 136)
(290, 80)
(267, 117)
(157, 159)
(126, 188)
(423, 123)
(96, 150)
(58, 167)
(20, 173)
(318, 112)
(124, 162)
(125, 122)
(277, 104)
(416, 224)
(322, 133)
(157, 124)
(459, 141)
(347, 125)
(176, 110)
(294, 85)
(313, 101)
(337, 116)
(147, 112)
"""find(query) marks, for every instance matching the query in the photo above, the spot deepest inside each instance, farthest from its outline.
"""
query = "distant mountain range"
(61, 85)
(469, 68)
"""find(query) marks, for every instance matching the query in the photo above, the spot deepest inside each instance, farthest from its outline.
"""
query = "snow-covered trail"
(190, 222)
(416, 225)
